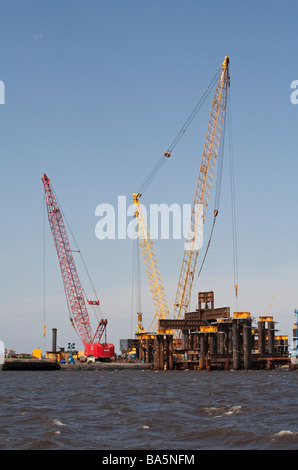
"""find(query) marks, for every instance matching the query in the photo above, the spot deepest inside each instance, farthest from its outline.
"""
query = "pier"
(212, 339)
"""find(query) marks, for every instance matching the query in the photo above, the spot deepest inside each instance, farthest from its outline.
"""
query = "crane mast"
(74, 291)
(202, 193)
(152, 269)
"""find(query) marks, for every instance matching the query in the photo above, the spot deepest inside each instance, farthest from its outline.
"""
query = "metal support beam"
(261, 337)
(236, 344)
(247, 343)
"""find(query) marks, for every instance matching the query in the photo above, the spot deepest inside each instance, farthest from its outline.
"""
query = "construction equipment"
(202, 193)
(71, 347)
(152, 270)
(78, 310)
(199, 209)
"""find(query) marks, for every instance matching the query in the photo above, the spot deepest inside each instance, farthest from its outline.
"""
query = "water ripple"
(148, 410)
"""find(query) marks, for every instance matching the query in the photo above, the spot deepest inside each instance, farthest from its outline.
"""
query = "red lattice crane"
(73, 289)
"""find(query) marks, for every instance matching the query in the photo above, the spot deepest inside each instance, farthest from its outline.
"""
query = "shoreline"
(52, 365)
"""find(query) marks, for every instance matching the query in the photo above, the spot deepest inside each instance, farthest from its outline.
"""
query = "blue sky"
(94, 94)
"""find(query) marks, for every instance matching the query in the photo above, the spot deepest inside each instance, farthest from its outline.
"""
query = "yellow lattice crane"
(202, 193)
(152, 271)
(198, 213)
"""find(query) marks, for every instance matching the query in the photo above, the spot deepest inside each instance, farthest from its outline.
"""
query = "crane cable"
(136, 282)
(161, 162)
(44, 269)
(147, 181)
(194, 112)
(233, 202)
(95, 311)
(44, 278)
(217, 195)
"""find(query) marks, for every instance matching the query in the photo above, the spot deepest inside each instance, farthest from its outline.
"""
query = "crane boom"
(202, 193)
(74, 291)
(151, 267)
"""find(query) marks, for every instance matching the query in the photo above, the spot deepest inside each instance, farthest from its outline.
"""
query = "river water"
(149, 410)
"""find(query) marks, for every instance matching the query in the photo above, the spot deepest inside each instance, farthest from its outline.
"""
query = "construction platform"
(211, 339)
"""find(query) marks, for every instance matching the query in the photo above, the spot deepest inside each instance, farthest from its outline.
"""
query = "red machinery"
(74, 292)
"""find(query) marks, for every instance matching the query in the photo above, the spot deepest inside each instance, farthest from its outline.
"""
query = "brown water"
(147, 410)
